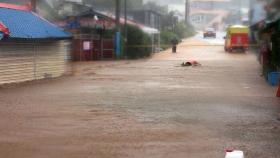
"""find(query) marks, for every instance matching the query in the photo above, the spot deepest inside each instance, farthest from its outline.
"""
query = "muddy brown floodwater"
(151, 108)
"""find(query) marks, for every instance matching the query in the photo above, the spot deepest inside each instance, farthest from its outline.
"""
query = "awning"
(150, 30)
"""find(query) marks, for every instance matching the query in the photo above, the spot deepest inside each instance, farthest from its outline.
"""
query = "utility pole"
(240, 11)
(187, 11)
(118, 15)
(33, 5)
(118, 29)
(125, 27)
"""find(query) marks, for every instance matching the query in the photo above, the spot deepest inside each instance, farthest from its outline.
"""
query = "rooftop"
(24, 24)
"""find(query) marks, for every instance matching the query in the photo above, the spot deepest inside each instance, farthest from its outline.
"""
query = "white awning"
(150, 30)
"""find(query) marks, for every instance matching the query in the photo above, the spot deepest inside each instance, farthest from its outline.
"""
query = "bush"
(181, 30)
(184, 30)
(166, 37)
(138, 43)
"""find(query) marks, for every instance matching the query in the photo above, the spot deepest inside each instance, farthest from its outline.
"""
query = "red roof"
(16, 7)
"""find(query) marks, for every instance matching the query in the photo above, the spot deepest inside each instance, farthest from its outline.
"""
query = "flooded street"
(150, 108)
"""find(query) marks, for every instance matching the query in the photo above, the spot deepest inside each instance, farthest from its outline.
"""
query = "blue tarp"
(27, 25)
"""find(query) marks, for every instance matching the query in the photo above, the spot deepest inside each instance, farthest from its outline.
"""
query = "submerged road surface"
(151, 108)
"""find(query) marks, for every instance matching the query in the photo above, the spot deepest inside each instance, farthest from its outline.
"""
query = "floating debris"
(190, 63)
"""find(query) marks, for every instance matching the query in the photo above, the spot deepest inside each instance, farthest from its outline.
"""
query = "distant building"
(147, 17)
(208, 13)
(93, 29)
(88, 29)
(218, 13)
(31, 48)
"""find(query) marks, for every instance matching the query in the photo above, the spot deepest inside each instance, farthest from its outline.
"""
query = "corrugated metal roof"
(28, 25)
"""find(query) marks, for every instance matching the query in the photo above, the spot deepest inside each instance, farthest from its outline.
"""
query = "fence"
(25, 61)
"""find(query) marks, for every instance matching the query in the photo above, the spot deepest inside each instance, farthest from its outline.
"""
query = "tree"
(169, 20)
(277, 3)
(155, 7)
(110, 4)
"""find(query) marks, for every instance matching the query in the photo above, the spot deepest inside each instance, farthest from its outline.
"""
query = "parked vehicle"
(209, 32)
(237, 38)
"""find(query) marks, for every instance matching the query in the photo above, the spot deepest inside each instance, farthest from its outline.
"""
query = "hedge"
(180, 31)
(138, 43)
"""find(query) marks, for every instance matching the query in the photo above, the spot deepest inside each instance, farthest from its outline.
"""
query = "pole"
(240, 11)
(118, 15)
(125, 26)
(118, 30)
(187, 11)
(34, 5)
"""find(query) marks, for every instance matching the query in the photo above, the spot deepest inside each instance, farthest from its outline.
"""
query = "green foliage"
(180, 31)
(134, 4)
(101, 3)
(163, 10)
(47, 11)
(168, 20)
(166, 37)
(109, 33)
(183, 30)
(138, 43)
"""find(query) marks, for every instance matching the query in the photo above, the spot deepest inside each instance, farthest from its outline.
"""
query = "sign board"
(86, 45)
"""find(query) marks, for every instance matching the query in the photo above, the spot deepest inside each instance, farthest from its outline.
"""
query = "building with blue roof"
(31, 47)
(27, 25)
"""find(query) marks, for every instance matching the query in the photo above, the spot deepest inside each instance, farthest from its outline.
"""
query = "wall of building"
(26, 61)
(146, 17)
(206, 13)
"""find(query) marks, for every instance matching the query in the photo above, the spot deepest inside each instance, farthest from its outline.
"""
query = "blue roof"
(27, 25)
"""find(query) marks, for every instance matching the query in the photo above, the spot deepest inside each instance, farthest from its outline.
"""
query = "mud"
(146, 108)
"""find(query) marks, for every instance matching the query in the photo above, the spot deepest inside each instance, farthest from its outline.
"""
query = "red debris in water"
(229, 150)
(191, 63)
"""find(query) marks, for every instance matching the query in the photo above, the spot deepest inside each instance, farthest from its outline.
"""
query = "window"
(197, 19)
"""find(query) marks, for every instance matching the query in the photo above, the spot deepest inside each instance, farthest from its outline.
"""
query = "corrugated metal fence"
(25, 61)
